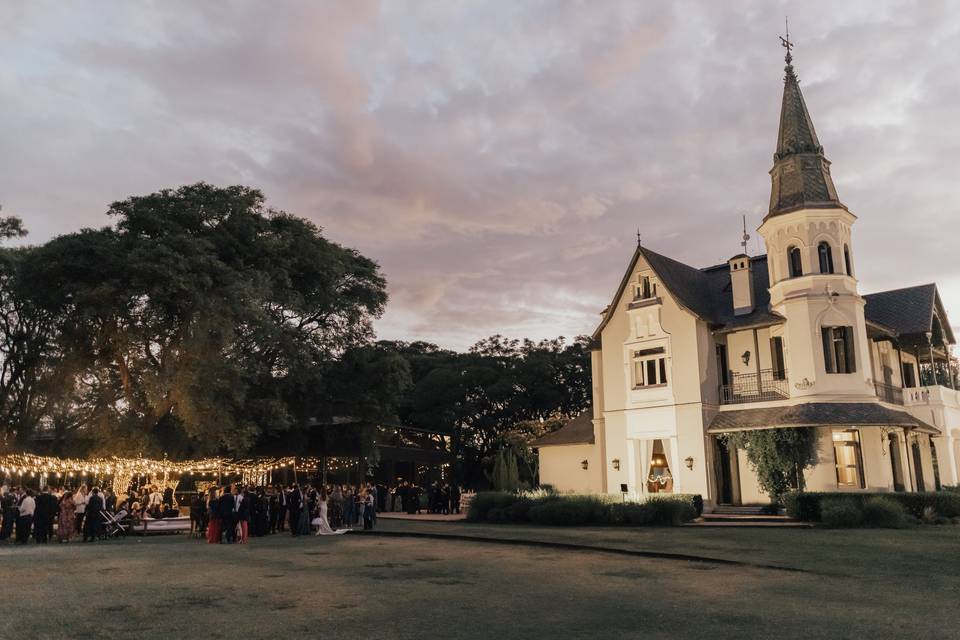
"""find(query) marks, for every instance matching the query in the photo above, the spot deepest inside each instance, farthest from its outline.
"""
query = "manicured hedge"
(808, 505)
(550, 508)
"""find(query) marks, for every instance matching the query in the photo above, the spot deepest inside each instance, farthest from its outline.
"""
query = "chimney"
(741, 283)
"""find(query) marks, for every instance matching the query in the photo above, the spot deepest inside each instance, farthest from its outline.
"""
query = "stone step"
(745, 510)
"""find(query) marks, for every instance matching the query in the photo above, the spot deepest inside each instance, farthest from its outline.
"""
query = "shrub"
(840, 512)
(484, 501)
(807, 505)
(885, 513)
(669, 511)
(571, 511)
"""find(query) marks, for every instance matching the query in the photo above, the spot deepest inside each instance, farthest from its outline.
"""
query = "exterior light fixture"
(746, 357)
(689, 461)
(584, 464)
(616, 464)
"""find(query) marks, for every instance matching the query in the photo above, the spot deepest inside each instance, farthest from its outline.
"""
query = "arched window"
(826, 257)
(846, 260)
(793, 258)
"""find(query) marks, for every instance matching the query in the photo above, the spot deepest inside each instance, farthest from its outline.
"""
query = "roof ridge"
(915, 286)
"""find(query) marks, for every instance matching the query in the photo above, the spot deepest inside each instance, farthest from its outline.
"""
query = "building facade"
(683, 355)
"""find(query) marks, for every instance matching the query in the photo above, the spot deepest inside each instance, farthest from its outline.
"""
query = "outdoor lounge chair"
(113, 525)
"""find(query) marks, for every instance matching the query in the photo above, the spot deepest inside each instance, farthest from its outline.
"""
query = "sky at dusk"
(495, 158)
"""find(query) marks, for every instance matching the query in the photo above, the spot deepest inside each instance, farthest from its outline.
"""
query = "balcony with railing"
(888, 392)
(763, 386)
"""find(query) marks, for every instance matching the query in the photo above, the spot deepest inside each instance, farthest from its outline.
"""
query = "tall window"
(645, 289)
(796, 264)
(909, 375)
(826, 257)
(838, 351)
(649, 368)
(846, 260)
(846, 450)
(776, 353)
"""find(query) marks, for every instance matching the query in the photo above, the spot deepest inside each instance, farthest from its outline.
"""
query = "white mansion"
(782, 340)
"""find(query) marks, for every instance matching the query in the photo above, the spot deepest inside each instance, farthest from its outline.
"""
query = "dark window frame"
(794, 261)
(825, 257)
(839, 351)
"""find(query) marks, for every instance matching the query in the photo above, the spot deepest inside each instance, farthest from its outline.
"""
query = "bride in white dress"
(321, 522)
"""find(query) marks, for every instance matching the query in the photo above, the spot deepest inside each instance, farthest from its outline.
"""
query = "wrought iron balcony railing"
(767, 384)
(888, 392)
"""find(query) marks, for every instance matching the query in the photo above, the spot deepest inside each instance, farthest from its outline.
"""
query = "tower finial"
(785, 42)
(638, 236)
(746, 236)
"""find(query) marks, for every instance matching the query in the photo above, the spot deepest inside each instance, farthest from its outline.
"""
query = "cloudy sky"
(496, 158)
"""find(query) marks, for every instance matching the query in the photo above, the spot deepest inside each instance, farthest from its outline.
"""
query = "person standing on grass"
(25, 516)
(80, 499)
(294, 506)
(67, 517)
(8, 511)
(44, 514)
(92, 519)
(368, 510)
(228, 514)
(213, 515)
(244, 509)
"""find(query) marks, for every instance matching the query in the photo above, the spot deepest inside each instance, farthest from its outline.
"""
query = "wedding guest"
(368, 507)
(8, 511)
(294, 506)
(25, 516)
(80, 499)
(244, 508)
(44, 515)
(67, 517)
(228, 514)
(92, 519)
(109, 501)
(213, 513)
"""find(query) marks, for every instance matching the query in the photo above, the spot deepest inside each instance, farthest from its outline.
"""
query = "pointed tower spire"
(800, 174)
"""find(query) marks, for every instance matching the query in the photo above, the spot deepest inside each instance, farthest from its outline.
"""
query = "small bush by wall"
(840, 512)
(884, 513)
(808, 506)
(548, 508)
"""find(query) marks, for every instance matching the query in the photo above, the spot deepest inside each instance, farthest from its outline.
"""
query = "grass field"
(854, 584)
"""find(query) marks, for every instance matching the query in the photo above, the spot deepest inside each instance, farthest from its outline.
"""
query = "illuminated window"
(846, 450)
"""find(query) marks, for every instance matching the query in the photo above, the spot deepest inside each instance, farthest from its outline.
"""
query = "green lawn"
(865, 583)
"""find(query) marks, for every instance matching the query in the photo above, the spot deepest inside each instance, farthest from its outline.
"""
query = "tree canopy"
(199, 322)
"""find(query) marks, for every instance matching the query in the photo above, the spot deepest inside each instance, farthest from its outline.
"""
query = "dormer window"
(795, 263)
(645, 289)
(825, 254)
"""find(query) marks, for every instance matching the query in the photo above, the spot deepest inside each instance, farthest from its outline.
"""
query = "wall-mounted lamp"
(616, 463)
(746, 357)
(584, 464)
(689, 461)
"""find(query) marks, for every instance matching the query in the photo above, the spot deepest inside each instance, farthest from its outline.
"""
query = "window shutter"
(848, 347)
(827, 350)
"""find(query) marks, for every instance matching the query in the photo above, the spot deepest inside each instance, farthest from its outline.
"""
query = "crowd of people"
(230, 513)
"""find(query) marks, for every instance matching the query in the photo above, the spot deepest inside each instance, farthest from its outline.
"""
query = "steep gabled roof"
(578, 430)
(908, 311)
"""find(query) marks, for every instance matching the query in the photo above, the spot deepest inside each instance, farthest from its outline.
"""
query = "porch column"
(675, 463)
(908, 459)
(631, 465)
(641, 476)
(933, 365)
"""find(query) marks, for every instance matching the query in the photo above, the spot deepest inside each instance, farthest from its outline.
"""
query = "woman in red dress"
(213, 528)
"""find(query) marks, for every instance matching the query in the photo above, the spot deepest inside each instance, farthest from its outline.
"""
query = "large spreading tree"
(200, 322)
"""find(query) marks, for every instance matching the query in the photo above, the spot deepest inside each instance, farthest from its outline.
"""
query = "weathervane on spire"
(638, 236)
(785, 41)
(746, 236)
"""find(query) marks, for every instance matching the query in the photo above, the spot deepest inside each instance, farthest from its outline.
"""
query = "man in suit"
(92, 520)
(294, 504)
(281, 512)
(110, 500)
(44, 515)
(227, 507)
